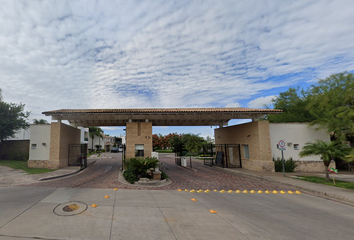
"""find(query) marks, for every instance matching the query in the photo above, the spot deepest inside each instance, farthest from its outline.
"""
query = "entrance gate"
(77, 155)
(228, 155)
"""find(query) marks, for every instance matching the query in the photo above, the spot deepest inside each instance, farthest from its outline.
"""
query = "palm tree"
(328, 151)
(94, 131)
(40, 121)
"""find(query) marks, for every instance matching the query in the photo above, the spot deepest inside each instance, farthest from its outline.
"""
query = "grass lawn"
(23, 166)
(342, 184)
(164, 151)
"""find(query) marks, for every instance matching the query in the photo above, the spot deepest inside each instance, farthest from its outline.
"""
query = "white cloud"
(119, 54)
(261, 102)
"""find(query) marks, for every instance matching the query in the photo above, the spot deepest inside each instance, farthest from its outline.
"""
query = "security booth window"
(139, 150)
(246, 151)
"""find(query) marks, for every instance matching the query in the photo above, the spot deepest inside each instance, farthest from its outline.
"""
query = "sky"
(164, 54)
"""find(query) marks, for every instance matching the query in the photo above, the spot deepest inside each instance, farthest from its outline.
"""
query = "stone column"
(138, 133)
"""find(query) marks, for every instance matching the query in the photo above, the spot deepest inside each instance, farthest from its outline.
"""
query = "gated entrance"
(77, 155)
(228, 155)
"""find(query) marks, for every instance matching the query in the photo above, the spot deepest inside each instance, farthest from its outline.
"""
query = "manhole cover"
(70, 208)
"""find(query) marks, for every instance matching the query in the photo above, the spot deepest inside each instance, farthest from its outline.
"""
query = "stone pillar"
(138, 133)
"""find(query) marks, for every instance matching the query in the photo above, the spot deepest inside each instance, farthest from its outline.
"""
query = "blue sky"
(136, 54)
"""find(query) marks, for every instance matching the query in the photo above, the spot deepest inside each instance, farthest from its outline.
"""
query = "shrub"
(103, 150)
(130, 176)
(139, 167)
(289, 165)
(163, 175)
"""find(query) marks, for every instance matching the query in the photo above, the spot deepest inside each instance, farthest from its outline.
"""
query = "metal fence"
(77, 155)
(228, 155)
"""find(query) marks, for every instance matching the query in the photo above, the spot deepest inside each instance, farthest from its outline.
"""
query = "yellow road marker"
(237, 191)
(260, 191)
(186, 190)
(106, 196)
(275, 192)
(252, 191)
(192, 190)
(290, 192)
(245, 191)
(298, 192)
(230, 191)
(222, 191)
(206, 191)
(267, 192)
(199, 191)
(282, 192)
(94, 205)
(194, 200)
(115, 189)
(213, 211)
(179, 190)
(215, 190)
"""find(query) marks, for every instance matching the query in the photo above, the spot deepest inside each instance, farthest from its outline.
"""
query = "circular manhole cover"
(70, 208)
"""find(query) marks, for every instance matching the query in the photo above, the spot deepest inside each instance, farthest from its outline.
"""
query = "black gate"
(77, 155)
(228, 155)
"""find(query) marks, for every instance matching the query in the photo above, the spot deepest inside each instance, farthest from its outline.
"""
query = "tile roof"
(161, 110)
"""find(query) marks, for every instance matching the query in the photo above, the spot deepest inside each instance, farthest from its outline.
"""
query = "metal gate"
(228, 155)
(77, 155)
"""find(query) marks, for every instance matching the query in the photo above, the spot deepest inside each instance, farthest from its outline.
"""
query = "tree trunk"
(326, 163)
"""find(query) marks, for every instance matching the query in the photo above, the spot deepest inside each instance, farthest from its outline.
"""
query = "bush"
(103, 150)
(130, 176)
(289, 165)
(163, 175)
(138, 167)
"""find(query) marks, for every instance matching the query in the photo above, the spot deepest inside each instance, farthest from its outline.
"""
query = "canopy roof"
(158, 116)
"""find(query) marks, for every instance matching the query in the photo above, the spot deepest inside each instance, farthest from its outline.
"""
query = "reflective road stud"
(199, 191)
(237, 191)
(298, 192)
(94, 205)
(252, 191)
(230, 191)
(275, 192)
(290, 192)
(260, 191)
(245, 191)
(106, 196)
(222, 191)
(206, 191)
(215, 190)
(179, 190)
(267, 192)
(213, 211)
(194, 200)
(192, 190)
(282, 192)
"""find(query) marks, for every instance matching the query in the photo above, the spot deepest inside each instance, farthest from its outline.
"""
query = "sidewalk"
(340, 194)
(15, 177)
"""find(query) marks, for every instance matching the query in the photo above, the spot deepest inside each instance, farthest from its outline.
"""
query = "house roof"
(158, 116)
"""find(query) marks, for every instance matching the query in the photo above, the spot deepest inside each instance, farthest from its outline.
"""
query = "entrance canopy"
(158, 116)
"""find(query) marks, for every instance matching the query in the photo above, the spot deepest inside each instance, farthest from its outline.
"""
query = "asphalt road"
(38, 212)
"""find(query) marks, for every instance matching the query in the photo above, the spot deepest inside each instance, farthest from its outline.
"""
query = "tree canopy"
(12, 118)
(328, 104)
(39, 121)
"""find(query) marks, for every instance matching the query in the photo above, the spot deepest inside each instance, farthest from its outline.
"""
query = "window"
(296, 146)
(139, 150)
(33, 146)
(246, 151)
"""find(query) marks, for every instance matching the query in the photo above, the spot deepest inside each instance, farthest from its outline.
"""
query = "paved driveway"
(104, 174)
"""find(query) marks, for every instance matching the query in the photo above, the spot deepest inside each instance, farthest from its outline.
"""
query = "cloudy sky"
(58, 54)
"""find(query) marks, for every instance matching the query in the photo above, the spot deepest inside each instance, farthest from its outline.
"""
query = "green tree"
(192, 142)
(328, 151)
(39, 121)
(12, 118)
(331, 102)
(95, 131)
(293, 102)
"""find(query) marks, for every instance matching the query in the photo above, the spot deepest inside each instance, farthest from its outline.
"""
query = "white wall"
(84, 134)
(294, 133)
(40, 135)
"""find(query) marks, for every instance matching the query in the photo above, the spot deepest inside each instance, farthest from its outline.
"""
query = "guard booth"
(77, 155)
